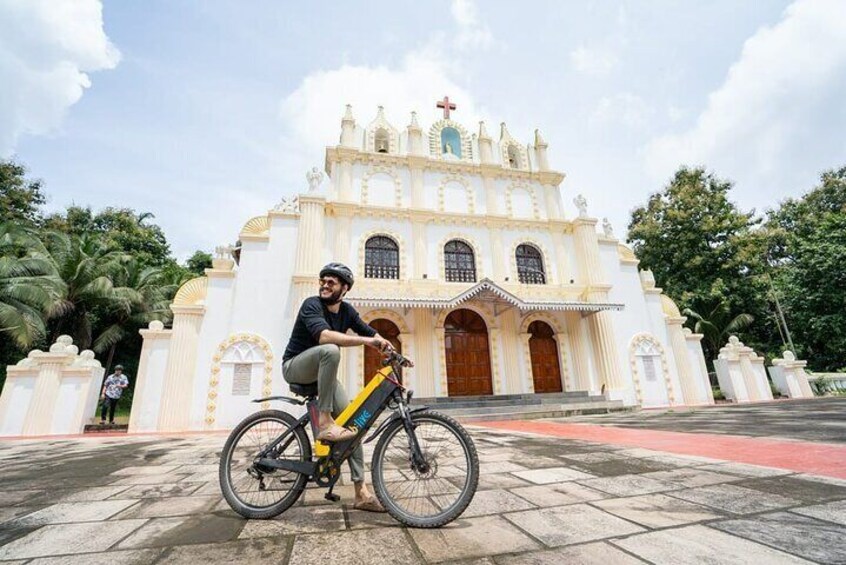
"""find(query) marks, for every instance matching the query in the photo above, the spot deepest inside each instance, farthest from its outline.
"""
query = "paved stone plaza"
(816, 419)
(541, 500)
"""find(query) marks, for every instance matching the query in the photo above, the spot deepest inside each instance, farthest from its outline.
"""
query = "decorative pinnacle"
(414, 123)
(348, 114)
(539, 141)
(483, 132)
(503, 131)
(380, 112)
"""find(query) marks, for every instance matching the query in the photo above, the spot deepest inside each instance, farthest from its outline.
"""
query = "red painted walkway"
(800, 456)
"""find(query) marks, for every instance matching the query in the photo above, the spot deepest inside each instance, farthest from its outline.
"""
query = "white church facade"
(465, 256)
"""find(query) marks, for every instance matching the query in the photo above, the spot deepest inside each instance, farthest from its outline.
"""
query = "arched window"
(513, 156)
(381, 141)
(381, 258)
(530, 265)
(459, 262)
(450, 142)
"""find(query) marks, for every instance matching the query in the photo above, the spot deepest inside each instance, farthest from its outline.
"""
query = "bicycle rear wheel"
(259, 492)
(440, 493)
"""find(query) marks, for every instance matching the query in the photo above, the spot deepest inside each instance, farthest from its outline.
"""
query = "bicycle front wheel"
(254, 491)
(439, 493)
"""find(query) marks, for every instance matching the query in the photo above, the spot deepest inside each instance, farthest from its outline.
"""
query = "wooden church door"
(546, 370)
(468, 358)
(372, 359)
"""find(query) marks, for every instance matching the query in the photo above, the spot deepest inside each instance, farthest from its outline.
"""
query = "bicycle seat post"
(313, 415)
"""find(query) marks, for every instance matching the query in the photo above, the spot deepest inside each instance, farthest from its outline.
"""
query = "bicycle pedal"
(331, 497)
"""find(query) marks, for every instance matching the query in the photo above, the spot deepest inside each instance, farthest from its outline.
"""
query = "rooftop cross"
(446, 105)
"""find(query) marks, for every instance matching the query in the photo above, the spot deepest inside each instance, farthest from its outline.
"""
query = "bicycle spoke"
(277, 483)
(442, 449)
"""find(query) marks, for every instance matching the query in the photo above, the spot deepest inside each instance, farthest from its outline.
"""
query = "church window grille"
(382, 141)
(381, 258)
(459, 262)
(530, 265)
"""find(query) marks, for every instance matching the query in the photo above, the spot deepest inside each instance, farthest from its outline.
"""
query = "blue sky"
(208, 113)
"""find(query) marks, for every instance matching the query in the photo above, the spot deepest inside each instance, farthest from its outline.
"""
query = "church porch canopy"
(484, 291)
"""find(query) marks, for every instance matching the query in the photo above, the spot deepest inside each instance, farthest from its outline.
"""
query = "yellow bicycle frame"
(382, 384)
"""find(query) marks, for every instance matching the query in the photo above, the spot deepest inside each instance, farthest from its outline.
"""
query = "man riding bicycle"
(313, 354)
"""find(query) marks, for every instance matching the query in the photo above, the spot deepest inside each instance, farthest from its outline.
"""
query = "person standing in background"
(111, 393)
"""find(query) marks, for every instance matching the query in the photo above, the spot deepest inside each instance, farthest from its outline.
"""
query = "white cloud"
(598, 62)
(47, 47)
(312, 112)
(472, 32)
(674, 113)
(622, 109)
(753, 123)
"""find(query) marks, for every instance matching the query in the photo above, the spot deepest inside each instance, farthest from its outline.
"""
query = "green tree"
(86, 267)
(149, 296)
(695, 241)
(20, 198)
(717, 324)
(27, 290)
(807, 250)
(120, 229)
(708, 255)
(199, 262)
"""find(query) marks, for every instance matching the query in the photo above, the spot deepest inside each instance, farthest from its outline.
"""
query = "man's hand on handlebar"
(381, 344)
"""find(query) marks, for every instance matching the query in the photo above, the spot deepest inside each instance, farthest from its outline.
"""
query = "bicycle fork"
(417, 460)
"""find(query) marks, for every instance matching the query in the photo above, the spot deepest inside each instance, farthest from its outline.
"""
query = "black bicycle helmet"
(338, 270)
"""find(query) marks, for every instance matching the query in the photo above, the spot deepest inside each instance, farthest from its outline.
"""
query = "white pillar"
(178, 386)
(155, 332)
(529, 382)
(425, 350)
(683, 369)
(578, 347)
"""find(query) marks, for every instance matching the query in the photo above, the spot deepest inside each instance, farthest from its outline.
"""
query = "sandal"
(369, 505)
(335, 434)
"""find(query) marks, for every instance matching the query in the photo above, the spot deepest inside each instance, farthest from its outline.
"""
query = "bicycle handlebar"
(398, 358)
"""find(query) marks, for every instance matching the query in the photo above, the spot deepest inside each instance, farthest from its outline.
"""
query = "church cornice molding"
(347, 154)
(426, 215)
(220, 273)
(370, 289)
(585, 221)
(188, 310)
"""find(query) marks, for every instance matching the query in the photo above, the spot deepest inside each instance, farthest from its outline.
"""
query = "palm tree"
(86, 266)
(717, 326)
(149, 295)
(27, 288)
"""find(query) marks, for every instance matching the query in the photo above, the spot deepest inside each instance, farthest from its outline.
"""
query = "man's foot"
(102, 422)
(371, 504)
(335, 434)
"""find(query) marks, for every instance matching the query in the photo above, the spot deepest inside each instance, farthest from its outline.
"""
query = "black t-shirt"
(314, 317)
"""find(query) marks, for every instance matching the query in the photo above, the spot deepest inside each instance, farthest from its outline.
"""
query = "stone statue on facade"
(607, 228)
(314, 178)
(288, 205)
(223, 251)
(581, 203)
(449, 152)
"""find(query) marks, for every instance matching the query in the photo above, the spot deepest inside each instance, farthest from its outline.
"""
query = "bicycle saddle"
(307, 391)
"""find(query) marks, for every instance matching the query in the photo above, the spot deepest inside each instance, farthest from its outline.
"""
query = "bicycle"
(268, 460)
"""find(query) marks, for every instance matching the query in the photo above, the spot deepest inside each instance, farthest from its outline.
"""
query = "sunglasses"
(328, 282)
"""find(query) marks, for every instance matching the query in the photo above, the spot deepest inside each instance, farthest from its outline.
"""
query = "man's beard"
(334, 299)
